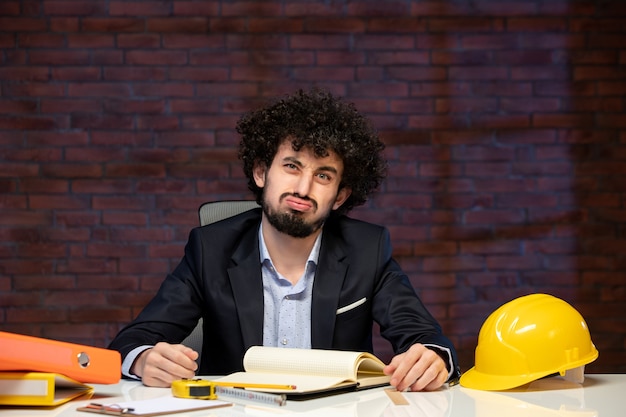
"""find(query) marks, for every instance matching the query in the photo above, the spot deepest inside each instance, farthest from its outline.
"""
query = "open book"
(311, 371)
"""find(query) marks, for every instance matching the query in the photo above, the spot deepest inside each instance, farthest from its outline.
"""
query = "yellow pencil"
(252, 385)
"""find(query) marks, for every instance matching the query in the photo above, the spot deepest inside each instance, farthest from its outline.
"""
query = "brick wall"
(505, 124)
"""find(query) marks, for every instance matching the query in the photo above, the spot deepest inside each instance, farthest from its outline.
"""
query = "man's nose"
(303, 186)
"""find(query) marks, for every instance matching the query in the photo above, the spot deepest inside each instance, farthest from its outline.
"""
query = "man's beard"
(291, 223)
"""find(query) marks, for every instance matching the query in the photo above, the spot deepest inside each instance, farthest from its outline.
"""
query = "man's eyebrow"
(328, 169)
(293, 160)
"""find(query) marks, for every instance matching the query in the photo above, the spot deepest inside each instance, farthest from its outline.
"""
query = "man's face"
(300, 190)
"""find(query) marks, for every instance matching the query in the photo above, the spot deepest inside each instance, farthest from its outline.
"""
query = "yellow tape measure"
(194, 388)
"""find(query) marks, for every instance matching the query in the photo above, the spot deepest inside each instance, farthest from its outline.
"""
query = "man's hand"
(164, 363)
(418, 369)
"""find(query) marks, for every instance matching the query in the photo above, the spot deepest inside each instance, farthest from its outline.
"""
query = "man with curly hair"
(298, 272)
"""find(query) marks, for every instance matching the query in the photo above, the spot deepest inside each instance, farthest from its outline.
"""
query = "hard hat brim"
(478, 380)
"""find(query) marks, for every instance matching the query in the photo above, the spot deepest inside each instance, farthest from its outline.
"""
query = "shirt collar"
(313, 256)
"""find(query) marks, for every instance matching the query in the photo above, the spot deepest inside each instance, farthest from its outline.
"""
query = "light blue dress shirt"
(287, 307)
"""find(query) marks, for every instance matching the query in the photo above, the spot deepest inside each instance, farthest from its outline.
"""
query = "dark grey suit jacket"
(219, 279)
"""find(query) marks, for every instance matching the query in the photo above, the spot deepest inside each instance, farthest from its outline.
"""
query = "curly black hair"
(320, 122)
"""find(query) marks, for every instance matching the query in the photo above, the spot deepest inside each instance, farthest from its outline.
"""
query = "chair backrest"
(218, 210)
(209, 213)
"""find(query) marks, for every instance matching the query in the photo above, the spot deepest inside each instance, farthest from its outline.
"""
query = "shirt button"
(284, 342)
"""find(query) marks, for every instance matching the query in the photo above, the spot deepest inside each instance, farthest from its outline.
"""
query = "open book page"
(309, 369)
(336, 363)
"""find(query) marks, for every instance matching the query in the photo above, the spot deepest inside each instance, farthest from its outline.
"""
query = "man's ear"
(258, 172)
(342, 196)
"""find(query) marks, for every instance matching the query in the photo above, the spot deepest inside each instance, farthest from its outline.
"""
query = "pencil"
(252, 385)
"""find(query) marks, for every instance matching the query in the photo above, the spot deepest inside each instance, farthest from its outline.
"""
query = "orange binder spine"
(86, 364)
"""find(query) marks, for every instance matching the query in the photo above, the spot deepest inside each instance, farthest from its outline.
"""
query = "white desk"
(600, 395)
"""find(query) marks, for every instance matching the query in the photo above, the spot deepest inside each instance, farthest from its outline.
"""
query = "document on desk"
(153, 407)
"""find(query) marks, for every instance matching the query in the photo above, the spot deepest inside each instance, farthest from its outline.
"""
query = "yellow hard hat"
(526, 339)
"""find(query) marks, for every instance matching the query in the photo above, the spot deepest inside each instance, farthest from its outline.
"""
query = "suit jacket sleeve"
(403, 318)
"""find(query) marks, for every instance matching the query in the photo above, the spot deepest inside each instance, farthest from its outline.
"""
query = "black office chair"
(209, 213)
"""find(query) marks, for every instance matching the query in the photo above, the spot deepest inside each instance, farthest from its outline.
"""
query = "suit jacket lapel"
(329, 277)
(247, 285)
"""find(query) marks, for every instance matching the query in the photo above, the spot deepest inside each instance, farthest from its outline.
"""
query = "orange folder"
(84, 364)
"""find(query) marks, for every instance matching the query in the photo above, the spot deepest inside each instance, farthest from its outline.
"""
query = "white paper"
(166, 404)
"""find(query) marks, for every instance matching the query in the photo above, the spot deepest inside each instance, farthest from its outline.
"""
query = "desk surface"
(602, 395)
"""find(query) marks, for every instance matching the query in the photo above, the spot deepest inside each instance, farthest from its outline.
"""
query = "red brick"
(41, 40)
(114, 25)
(340, 58)
(15, 106)
(312, 9)
(101, 57)
(164, 90)
(490, 41)
(334, 25)
(33, 73)
(461, 24)
(536, 24)
(144, 267)
(64, 24)
(194, 8)
(68, 106)
(21, 24)
(208, 122)
(136, 8)
(186, 41)
(478, 73)
(598, 73)
(463, 105)
(139, 40)
(10, 8)
(401, 58)
(32, 123)
(90, 41)
(199, 74)
(455, 263)
(101, 122)
(232, 58)
(133, 74)
(74, 8)
(250, 8)
(396, 24)
(51, 57)
(156, 57)
(98, 314)
(98, 90)
(178, 25)
(228, 25)
(71, 171)
(36, 315)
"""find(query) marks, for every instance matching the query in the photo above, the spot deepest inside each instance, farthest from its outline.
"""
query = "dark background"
(504, 122)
